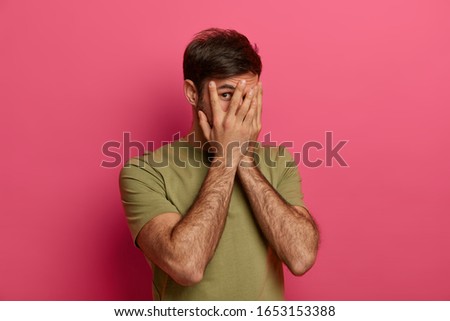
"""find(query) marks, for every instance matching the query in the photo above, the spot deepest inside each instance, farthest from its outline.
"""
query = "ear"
(190, 91)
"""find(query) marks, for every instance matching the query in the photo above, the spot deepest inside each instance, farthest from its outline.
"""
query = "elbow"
(300, 266)
(305, 258)
(187, 276)
(188, 279)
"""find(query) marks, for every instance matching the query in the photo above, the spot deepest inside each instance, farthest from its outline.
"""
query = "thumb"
(204, 125)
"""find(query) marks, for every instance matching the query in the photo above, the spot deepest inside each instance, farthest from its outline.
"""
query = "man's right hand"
(233, 128)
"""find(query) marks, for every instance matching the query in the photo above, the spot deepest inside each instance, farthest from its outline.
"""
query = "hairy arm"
(290, 230)
(183, 246)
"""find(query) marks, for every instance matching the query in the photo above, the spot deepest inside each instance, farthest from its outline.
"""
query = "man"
(214, 213)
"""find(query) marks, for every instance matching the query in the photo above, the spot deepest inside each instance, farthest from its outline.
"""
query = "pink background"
(76, 74)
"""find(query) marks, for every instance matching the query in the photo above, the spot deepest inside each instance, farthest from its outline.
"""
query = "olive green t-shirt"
(244, 266)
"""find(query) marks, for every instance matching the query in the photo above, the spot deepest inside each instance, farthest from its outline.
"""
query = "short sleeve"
(143, 194)
(289, 184)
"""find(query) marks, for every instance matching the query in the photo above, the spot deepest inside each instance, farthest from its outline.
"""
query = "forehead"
(250, 78)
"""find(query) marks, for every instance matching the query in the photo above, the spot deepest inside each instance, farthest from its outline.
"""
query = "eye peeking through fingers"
(226, 96)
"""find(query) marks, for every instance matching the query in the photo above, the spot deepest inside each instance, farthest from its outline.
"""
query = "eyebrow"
(227, 86)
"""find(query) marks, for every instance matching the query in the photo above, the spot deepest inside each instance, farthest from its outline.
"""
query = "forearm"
(291, 233)
(194, 238)
(191, 242)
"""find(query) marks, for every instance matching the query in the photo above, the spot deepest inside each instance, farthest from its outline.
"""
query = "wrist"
(250, 157)
(226, 160)
(247, 161)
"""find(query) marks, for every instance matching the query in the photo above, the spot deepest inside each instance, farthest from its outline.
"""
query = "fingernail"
(242, 82)
(211, 83)
(250, 93)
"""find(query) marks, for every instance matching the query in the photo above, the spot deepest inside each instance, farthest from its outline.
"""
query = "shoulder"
(148, 164)
(275, 156)
(276, 163)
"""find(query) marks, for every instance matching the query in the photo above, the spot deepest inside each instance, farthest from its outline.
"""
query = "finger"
(214, 100)
(237, 96)
(243, 110)
(259, 105)
(204, 125)
(251, 113)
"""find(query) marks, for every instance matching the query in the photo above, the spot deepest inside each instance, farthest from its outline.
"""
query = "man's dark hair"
(219, 53)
